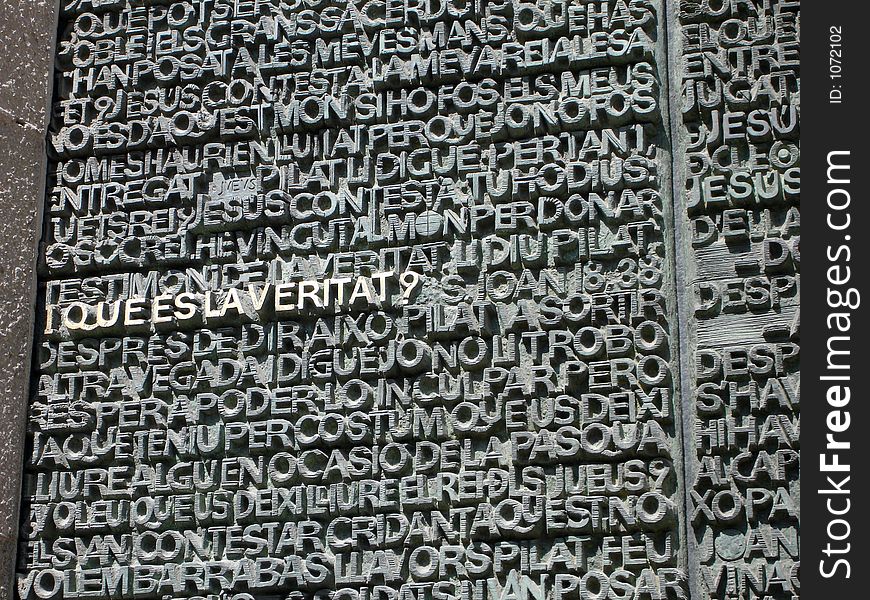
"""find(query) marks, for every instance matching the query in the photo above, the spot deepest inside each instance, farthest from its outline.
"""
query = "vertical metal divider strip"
(679, 261)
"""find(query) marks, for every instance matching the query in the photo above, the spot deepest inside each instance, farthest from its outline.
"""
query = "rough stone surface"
(26, 36)
(19, 234)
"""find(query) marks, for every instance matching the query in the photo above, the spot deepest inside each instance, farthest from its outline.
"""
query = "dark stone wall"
(27, 38)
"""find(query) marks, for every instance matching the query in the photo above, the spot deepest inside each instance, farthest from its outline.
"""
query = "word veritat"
(257, 301)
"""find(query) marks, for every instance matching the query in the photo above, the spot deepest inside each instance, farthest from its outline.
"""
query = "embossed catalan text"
(375, 300)
(737, 115)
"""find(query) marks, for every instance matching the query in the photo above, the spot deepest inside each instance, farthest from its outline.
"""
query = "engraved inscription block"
(739, 105)
(418, 300)
(356, 300)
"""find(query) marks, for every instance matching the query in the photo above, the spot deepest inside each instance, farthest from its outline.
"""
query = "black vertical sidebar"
(835, 437)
